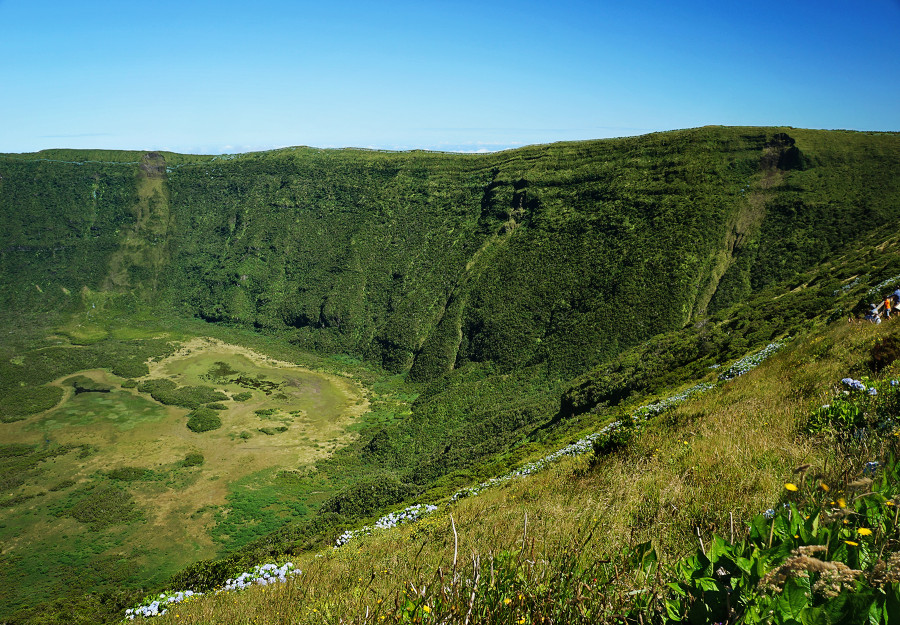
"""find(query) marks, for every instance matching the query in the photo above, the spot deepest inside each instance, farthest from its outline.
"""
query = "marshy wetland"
(112, 482)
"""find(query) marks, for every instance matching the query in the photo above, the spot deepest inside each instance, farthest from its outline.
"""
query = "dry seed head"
(886, 572)
(831, 580)
(835, 514)
(860, 484)
(831, 574)
(803, 468)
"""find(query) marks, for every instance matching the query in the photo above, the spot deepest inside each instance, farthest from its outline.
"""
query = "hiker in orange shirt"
(887, 307)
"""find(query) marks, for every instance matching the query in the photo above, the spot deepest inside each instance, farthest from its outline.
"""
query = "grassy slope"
(721, 457)
(739, 473)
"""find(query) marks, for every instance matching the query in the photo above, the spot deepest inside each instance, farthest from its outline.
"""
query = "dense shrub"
(129, 474)
(103, 506)
(369, 496)
(193, 459)
(84, 384)
(167, 392)
(62, 485)
(884, 353)
(21, 402)
(203, 420)
(130, 369)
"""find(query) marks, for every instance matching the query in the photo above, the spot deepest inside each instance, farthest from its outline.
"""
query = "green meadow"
(111, 480)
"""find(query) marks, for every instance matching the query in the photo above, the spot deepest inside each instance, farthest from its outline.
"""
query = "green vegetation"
(130, 474)
(257, 501)
(193, 459)
(492, 308)
(84, 384)
(26, 371)
(203, 420)
(102, 506)
(406, 258)
(19, 403)
(165, 391)
(20, 462)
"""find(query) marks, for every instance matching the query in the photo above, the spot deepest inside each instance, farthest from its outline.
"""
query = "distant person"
(873, 315)
(887, 306)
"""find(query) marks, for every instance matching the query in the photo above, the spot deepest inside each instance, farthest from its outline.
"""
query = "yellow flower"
(841, 502)
(864, 531)
(824, 487)
(851, 543)
(791, 487)
(507, 601)
(426, 608)
(521, 620)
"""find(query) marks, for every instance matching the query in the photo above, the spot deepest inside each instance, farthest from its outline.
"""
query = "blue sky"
(221, 76)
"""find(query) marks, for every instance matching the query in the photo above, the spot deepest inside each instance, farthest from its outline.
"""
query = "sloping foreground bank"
(701, 519)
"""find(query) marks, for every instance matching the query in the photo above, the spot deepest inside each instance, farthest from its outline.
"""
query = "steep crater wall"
(559, 255)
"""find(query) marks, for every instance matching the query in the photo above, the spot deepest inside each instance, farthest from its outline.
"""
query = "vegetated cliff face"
(560, 255)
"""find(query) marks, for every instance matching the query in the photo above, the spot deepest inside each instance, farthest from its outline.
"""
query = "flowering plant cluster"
(875, 290)
(861, 409)
(748, 363)
(157, 606)
(412, 513)
(652, 410)
(261, 575)
(587, 444)
(856, 385)
(802, 558)
(407, 515)
(848, 286)
(579, 447)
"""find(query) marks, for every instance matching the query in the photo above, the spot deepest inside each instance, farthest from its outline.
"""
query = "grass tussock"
(586, 539)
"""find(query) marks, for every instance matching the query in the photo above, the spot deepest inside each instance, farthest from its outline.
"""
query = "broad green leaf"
(744, 564)
(795, 597)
